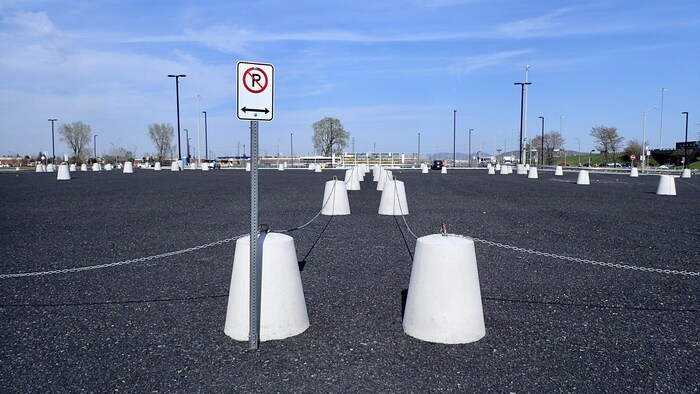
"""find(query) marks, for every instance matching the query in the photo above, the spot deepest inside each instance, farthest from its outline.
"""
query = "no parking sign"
(255, 91)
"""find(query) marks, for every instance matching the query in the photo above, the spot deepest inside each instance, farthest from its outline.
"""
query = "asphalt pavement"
(552, 325)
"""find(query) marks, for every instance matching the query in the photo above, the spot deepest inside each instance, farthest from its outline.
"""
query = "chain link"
(118, 263)
(584, 261)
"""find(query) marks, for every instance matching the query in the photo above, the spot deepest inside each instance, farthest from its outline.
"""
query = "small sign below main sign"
(255, 86)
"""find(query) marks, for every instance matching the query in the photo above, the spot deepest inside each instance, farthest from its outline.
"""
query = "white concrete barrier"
(393, 201)
(667, 186)
(335, 199)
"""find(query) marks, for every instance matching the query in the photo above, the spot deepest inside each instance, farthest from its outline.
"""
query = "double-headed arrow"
(246, 109)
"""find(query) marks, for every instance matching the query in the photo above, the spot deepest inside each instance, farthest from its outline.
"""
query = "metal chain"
(585, 261)
(118, 263)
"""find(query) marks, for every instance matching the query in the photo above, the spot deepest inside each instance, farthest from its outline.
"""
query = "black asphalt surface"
(157, 326)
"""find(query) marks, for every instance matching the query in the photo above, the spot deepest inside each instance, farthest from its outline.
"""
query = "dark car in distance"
(437, 165)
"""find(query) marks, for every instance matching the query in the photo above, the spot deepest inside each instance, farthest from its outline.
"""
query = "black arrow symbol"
(246, 109)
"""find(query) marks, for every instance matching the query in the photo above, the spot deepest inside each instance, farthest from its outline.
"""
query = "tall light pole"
(661, 125)
(418, 148)
(94, 145)
(177, 98)
(542, 142)
(685, 147)
(206, 141)
(579, 150)
(644, 136)
(527, 76)
(454, 137)
(187, 138)
(470, 147)
(53, 144)
(522, 97)
(291, 146)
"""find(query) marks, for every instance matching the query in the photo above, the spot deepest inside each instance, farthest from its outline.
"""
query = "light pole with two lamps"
(685, 146)
(177, 98)
(522, 98)
(53, 143)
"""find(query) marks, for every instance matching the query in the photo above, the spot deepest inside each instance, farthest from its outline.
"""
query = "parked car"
(625, 165)
(564, 164)
(437, 165)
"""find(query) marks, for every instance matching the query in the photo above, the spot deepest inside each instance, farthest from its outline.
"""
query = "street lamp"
(579, 150)
(644, 135)
(589, 157)
(522, 97)
(685, 146)
(418, 148)
(177, 97)
(542, 145)
(470, 147)
(661, 127)
(291, 146)
(94, 145)
(187, 137)
(454, 137)
(206, 143)
(53, 144)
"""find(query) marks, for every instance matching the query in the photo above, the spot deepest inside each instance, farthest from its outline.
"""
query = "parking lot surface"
(552, 325)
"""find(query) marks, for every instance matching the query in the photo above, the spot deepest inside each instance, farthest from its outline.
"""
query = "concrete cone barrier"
(180, 165)
(40, 168)
(634, 172)
(532, 173)
(128, 168)
(318, 168)
(520, 169)
(360, 174)
(108, 167)
(157, 167)
(175, 166)
(559, 171)
(444, 299)
(193, 166)
(311, 167)
(348, 174)
(119, 166)
(583, 178)
(247, 167)
(393, 201)
(353, 183)
(492, 171)
(282, 307)
(205, 166)
(443, 170)
(50, 168)
(96, 167)
(280, 167)
(72, 168)
(498, 167)
(335, 199)
(424, 170)
(527, 168)
(63, 173)
(504, 170)
(376, 172)
(383, 174)
(685, 173)
(667, 186)
(83, 167)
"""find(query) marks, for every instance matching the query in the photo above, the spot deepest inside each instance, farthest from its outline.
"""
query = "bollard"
(335, 199)
(393, 201)
(443, 304)
(157, 167)
(128, 168)
(559, 171)
(532, 174)
(667, 186)
(63, 173)
(282, 307)
(583, 178)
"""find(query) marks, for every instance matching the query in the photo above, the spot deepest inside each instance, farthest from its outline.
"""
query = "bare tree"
(77, 136)
(162, 136)
(552, 141)
(607, 140)
(329, 132)
(633, 147)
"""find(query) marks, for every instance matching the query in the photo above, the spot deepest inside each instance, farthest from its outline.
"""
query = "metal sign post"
(255, 277)
(254, 101)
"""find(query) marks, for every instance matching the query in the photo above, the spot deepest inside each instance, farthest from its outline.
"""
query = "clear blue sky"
(386, 69)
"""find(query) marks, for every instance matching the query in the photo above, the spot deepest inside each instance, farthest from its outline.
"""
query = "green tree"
(77, 135)
(329, 132)
(633, 147)
(607, 141)
(162, 136)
